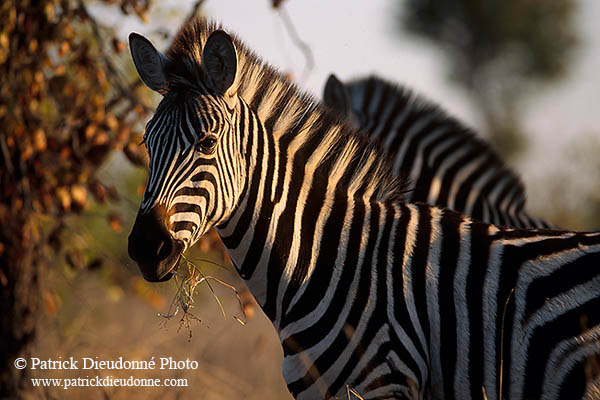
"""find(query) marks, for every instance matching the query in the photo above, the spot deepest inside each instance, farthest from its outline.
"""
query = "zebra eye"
(207, 145)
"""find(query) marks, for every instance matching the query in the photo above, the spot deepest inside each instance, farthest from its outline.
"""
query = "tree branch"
(123, 92)
(304, 48)
(197, 5)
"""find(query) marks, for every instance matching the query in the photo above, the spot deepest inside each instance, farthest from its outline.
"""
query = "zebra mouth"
(171, 272)
(163, 268)
(167, 277)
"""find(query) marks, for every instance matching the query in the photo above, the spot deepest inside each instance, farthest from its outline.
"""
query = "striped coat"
(446, 163)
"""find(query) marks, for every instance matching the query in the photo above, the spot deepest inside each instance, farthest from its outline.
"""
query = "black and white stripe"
(447, 164)
(396, 300)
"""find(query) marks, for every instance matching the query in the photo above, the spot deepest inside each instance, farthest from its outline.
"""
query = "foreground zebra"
(446, 163)
(396, 300)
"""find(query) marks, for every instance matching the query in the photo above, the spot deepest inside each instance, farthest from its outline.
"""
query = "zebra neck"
(298, 182)
(283, 246)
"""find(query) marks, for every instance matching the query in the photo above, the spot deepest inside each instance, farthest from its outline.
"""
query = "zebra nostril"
(150, 241)
(152, 247)
(164, 249)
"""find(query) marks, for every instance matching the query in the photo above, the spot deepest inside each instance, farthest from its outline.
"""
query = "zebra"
(366, 291)
(447, 163)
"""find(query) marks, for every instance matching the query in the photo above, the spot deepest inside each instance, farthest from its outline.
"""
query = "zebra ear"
(336, 96)
(149, 62)
(220, 60)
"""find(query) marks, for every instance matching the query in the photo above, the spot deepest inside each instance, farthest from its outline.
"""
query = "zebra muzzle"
(152, 246)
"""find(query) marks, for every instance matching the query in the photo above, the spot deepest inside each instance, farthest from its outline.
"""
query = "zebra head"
(195, 166)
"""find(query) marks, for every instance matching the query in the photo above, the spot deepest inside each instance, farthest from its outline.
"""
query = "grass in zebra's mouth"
(187, 276)
(352, 393)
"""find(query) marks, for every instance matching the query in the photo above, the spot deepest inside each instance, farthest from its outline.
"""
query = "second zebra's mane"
(402, 100)
(285, 109)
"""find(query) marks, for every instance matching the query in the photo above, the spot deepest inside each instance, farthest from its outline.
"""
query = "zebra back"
(445, 162)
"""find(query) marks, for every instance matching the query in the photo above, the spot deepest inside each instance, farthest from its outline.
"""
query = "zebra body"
(395, 300)
(446, 163)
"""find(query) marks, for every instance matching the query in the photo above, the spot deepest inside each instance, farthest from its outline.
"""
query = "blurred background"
(72, 111)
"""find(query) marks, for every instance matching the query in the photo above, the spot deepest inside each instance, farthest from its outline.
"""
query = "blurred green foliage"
(496, 49)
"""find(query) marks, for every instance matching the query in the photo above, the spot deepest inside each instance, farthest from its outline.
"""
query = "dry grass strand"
(188, 276)
(502, 345)
(351, 391)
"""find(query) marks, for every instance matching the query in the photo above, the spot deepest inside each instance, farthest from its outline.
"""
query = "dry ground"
(96, 319)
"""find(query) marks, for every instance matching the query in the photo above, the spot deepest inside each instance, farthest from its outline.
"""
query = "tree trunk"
(21, 265)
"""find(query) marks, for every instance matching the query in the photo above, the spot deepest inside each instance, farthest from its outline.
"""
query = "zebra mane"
(403, 98)
(284, 108)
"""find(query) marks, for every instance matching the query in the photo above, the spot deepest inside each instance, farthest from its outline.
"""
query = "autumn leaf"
(112, 123)
(64, 198)
(78, 196)
(97, 190)
(117, 45)
(90, 131)
(115, 221)
(50, 303)
(39, 140)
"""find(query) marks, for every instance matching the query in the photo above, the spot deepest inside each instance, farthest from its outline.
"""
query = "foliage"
(64, 107)
(496, 48)
(538, 36)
